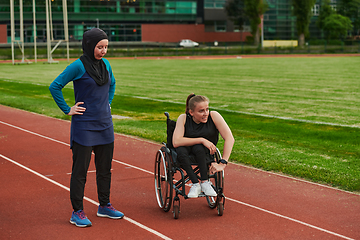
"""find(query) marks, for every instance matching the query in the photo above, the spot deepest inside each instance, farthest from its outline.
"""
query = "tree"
(302, 12)
(350, 9)
(254, 9)
(241, 10)
(235, 11)
(334, 25)
(325, 11)
(337, 26)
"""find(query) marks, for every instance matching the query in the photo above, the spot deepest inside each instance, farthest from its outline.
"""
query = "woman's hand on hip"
(76, 109)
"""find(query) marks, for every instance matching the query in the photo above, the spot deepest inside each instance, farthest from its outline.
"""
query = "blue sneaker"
(109, 211)
(79, 219)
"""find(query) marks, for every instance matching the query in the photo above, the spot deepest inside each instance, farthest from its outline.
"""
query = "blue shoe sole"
(105, 215)
(80, 225)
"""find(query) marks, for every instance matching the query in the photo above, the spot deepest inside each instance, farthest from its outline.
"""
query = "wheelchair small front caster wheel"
(176, 210)
(220, 208)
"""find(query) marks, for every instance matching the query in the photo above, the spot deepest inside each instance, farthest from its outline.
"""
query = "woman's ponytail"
(187, 102)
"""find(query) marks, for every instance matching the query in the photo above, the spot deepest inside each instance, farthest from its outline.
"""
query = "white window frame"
(316, 10)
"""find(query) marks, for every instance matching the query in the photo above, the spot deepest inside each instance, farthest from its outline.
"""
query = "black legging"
(200, 152)
(81, 161)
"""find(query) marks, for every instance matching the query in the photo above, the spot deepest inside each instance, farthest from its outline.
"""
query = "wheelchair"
(166, 165)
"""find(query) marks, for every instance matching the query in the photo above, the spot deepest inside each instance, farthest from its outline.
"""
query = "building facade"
(151, 20)
(280, 24)
(123, 20)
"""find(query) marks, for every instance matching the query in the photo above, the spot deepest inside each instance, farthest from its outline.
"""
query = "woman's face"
(101, 49)
(201, 112)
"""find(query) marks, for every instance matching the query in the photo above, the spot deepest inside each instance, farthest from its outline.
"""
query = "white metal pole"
(262, 31)
(34, 28)
(66, 28)
(22, 30)
(262, 28)
(12, 29)
(51, 23)
(48, 31)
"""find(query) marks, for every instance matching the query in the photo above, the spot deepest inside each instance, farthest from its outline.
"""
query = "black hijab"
(95, 68)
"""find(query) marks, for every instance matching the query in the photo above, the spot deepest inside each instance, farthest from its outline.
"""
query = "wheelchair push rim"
(218, 184)
(217, 181)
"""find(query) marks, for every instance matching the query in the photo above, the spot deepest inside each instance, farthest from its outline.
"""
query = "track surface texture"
(35, 162)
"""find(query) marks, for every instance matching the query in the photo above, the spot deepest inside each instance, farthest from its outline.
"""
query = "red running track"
(35, 162)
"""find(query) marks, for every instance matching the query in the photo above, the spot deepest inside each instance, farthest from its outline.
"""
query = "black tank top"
(206, 130)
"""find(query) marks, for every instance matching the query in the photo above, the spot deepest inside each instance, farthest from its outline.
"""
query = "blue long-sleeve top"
(95, 126)
(73, 72)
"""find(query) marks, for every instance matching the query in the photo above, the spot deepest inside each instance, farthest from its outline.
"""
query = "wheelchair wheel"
(217, 181)
(163, 179)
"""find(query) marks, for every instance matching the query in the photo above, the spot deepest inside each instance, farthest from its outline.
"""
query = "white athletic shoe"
(207, 188)
(195, 190)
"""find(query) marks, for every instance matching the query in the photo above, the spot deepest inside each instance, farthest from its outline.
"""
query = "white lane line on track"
(36, 134)
(66, 144)
(86, 198)
(146, 171)
(139, 139)
(294, 178)
(291, 219)
(230, 199)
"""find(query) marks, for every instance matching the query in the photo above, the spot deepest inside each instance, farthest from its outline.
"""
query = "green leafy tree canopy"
(350, 9)
(254, 9)
(302, 12)
(337, 26)
(325, 11)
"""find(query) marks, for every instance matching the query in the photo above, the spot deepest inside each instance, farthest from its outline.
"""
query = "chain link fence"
(137, 49)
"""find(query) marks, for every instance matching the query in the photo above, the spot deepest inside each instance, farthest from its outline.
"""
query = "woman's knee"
(199, 150)
(182, 152)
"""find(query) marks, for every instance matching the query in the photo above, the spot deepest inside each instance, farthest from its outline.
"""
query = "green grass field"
(270, 104)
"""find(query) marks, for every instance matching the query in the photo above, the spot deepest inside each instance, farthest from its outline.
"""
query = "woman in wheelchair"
(197, 132)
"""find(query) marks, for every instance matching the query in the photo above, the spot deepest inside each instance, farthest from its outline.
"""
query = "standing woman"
(91, 123)
(197, 132)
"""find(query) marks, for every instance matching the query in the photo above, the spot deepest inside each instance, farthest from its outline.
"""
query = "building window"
(245, 28)
(220, 26)
(315, 10)
(214, 3)
(181, 7)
